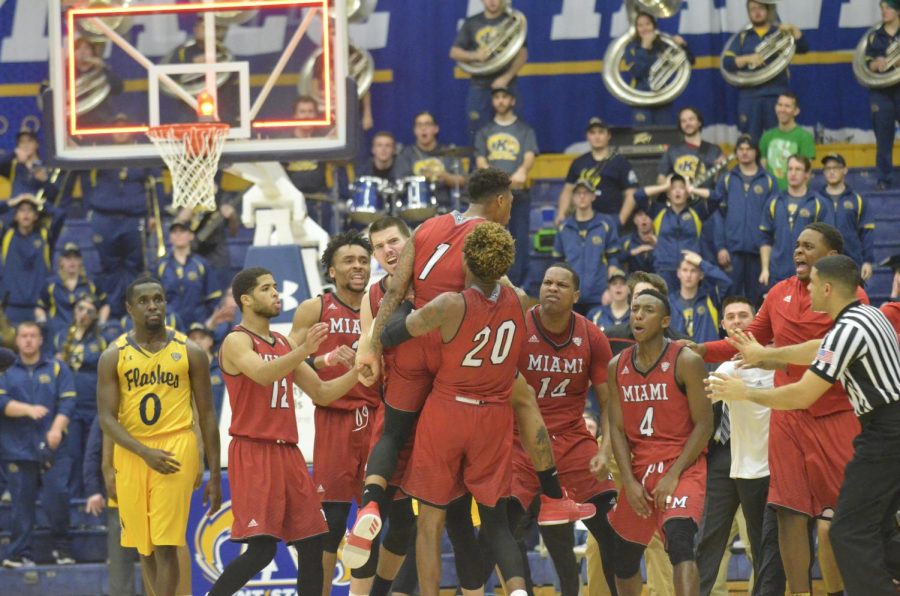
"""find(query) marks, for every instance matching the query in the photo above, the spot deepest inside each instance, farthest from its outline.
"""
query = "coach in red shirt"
(808, 449)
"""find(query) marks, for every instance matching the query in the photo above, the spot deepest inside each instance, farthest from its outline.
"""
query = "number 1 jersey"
(438, 265)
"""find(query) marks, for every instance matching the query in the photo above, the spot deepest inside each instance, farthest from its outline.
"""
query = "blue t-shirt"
(609, 177)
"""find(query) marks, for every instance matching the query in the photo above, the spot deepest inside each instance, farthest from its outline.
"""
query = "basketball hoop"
(191, 152)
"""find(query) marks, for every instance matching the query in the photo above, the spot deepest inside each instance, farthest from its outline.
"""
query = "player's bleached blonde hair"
(489, 251)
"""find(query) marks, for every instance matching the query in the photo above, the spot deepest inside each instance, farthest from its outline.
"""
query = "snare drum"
(367, 202)
(417, 201)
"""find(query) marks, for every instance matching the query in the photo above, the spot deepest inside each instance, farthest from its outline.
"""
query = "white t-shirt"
(749, 425)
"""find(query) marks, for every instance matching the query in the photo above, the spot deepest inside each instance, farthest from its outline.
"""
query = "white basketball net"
(191, 152)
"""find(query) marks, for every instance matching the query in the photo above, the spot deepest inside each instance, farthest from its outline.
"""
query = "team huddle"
(445, 384)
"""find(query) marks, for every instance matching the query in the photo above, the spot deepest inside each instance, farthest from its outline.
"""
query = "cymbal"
(455, 151)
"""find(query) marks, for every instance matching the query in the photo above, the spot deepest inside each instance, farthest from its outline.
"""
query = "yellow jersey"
(154, 388)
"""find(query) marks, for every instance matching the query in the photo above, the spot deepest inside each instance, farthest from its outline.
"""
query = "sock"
(372, 492)
(518, 593)
(549, 480)
(381, 586)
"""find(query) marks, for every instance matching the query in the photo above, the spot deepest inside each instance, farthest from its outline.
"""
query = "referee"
(862, 352)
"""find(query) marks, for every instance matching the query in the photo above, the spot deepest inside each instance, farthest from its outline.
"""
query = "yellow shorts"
(154, 507)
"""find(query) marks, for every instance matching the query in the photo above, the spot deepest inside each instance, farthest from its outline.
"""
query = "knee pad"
(627, 558)
(336, 517)
(680, 535)
(401, 525)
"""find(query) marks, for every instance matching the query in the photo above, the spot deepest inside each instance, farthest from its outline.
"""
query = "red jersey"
(438, 265)
(655, 409)
(376, 294)
(561, 368)
(786, 317)
(263, 412)
(480, 362)
(343, 330)
(892, 311)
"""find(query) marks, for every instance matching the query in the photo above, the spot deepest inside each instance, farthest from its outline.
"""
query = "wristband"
(311, 361)
(327, 357)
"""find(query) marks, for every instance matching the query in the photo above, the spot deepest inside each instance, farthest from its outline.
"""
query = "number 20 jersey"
(154, 388)
(263, 412)
(655, 410)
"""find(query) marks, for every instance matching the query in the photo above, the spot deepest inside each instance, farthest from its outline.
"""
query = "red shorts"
(414, 366)
(340, 452)
(271, 492)
(461, 448)
(687, 502)
(572, 451)
(807, 457)
(402, 457)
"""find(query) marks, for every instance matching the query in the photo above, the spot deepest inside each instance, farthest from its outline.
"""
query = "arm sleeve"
(767, 223)
(93, 454)
(480, 143)
(572, 174)
(601, 354)
(66, 387)
(464, 38)
(843, 344)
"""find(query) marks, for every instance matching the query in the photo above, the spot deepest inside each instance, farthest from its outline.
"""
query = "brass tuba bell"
(504, 45)
(670, 72)
(869, 78)
(120, 24)
(358, 11)
(195, 82)
(361, 69)
(779, 48)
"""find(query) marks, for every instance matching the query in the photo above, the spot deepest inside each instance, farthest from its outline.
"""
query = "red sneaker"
(359, 541)
(563, 511)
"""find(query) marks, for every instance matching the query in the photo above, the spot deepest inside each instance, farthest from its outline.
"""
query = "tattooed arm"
(368, 356)
(532, 431)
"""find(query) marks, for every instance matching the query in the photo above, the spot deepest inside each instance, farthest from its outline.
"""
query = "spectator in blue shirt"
(190, 290)
(56, 306)
(589, 243)
(756, 104)
(36, 403)
(637, 249)
(677, 223)
(618, 311)
(80, 346)
(785, 216)
(25, 250)
(696, 303)
(24, 170)
(852, 216)
(743, 192)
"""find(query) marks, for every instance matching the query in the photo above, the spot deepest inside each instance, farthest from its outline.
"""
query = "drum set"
(411, 198)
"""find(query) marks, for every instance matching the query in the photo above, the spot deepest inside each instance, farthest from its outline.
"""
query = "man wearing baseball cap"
(610, 174)
(852, 216)
(509, 144)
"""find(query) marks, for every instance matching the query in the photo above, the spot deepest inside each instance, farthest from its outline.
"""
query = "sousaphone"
(776, 51)
(508, 39)
(670, 72)
(869, 78)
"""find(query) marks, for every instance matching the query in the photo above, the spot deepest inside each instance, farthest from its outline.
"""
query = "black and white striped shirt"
(862, 352)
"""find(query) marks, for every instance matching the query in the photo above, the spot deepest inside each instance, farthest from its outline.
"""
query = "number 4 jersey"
(154, 388)
(263, 412)
(655, 410)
